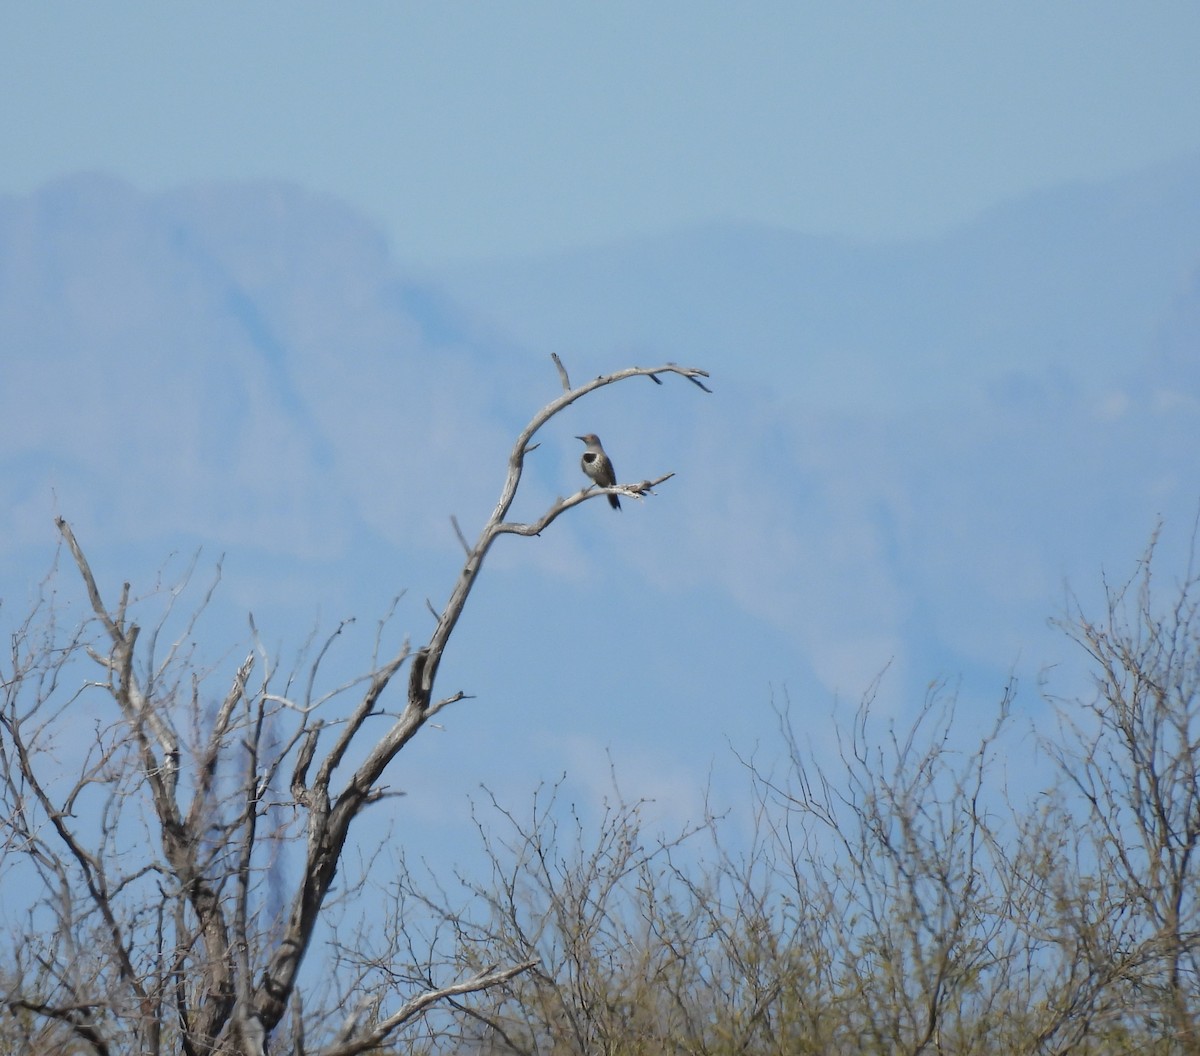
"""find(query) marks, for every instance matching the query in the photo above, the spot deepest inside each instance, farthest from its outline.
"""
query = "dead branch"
(562, 372)
(331, 815)
(633, 491)
(418, 1004)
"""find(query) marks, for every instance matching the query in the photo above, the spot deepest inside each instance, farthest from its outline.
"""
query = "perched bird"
(598, 466)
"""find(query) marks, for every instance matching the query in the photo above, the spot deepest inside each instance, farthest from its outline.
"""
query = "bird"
(598, 466)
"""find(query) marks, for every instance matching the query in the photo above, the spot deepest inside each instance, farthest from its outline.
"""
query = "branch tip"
(562, 372)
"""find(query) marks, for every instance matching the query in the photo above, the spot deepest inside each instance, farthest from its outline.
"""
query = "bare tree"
(156, 917)
(584, 898)
(878, 903)
(899, 837)
(1131, 756)
(897, 896)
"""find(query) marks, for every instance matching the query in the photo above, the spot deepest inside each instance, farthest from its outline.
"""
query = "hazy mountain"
(171, 352)
(1066, 287)
(908, 451)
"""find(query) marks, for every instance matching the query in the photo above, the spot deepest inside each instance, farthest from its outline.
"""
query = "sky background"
(904, 465)
(484, 130)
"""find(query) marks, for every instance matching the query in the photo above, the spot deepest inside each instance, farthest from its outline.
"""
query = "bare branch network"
(915, 889)
(179, 950)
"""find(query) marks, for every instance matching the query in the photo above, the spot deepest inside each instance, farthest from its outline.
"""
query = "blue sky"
(476, 131)
(488, 131)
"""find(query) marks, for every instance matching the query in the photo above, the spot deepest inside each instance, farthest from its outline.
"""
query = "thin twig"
(562, 372)
(462, 539)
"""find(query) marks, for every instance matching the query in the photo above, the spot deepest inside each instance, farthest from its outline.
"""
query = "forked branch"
(332, 816)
